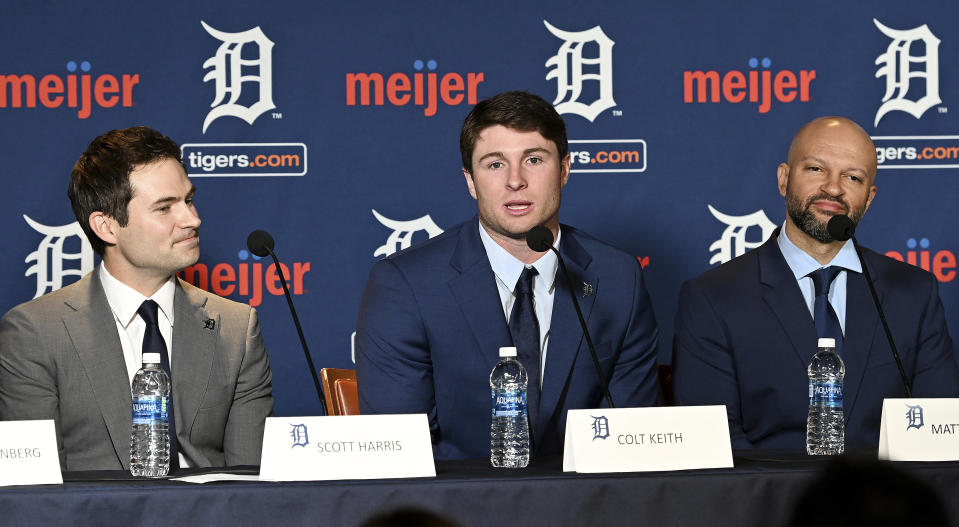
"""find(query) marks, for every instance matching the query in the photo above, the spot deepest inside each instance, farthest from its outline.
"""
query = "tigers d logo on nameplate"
(919, 430)
(647, 439)
(346, 447)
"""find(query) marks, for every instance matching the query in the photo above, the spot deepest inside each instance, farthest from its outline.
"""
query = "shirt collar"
(802, 264)
(124, 300)
(507, 268)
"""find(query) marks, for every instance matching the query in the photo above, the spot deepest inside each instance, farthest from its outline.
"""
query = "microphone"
(540, 239)
(260, 243)
(841, 228)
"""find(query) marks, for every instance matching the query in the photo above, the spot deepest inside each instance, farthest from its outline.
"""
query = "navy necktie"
(827, 323)
(524, 328)
(153, 343)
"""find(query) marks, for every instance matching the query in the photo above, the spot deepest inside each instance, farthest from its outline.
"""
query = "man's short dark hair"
(518, 110)
(100, 180)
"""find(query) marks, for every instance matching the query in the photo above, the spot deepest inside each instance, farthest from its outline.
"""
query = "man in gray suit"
(70, 355)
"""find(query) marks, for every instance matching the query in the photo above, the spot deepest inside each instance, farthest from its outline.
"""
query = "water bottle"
(509, 432)
(150, 436)
(825, 428)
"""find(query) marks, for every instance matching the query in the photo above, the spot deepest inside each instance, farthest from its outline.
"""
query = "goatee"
(803, 217)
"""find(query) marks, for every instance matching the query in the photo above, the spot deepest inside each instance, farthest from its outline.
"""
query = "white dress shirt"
(124, 302)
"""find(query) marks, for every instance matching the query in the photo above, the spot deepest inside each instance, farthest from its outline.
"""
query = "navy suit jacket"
(744, 338)
(431, 325)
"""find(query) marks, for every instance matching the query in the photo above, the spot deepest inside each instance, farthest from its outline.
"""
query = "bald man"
(745, 331)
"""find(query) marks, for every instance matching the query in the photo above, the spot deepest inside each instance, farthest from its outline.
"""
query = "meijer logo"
(759, 86)
(422, 88)
(246, 279)
(941, 263)
(77, 89)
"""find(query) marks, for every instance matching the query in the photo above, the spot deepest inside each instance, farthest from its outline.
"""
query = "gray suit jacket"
(61, 359)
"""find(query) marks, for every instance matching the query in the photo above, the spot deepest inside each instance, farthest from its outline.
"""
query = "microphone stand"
(299, 331)
(841, 228)
(882, 317)
(582, 322)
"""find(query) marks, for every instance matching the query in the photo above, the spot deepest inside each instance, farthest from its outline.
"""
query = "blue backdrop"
(335, 126)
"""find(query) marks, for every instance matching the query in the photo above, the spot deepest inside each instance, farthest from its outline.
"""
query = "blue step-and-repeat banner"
(335, 125)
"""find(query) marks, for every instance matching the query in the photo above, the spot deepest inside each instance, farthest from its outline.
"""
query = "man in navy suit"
(744, 331)
(434, 316)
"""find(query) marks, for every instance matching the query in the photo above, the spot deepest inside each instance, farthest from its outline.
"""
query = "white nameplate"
(919, 430)
(647, 439)
(28, 453)
(346, 447)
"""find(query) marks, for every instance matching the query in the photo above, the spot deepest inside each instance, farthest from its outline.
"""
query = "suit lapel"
(862, 327)
(565, 333)
(781, 293)
(92, 329)
(194, 348)
(477, 295)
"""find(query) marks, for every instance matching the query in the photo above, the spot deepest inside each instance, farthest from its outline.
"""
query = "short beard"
(806, 220)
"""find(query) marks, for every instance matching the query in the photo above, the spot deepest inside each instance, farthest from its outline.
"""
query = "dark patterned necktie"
(827, 323)
(524, 328)
(153, 343)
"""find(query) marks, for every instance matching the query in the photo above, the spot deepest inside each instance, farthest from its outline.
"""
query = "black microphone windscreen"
(259, 243)
(539, 238)
(841, 228)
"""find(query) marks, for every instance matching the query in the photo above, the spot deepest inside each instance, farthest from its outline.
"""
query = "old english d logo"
(299, 435)
(600, 427)
(914, 417)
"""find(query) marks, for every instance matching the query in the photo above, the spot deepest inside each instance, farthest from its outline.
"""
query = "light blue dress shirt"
(507, 270)
(802, 264)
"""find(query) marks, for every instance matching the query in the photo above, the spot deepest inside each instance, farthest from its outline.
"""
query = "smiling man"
(745, 331)
(71, 355)
(433, 317)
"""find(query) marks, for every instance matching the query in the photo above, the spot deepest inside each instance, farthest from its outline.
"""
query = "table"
(760, 490)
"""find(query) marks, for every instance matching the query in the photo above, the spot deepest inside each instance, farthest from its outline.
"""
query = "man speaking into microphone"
(747, 330)
(434, 316)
